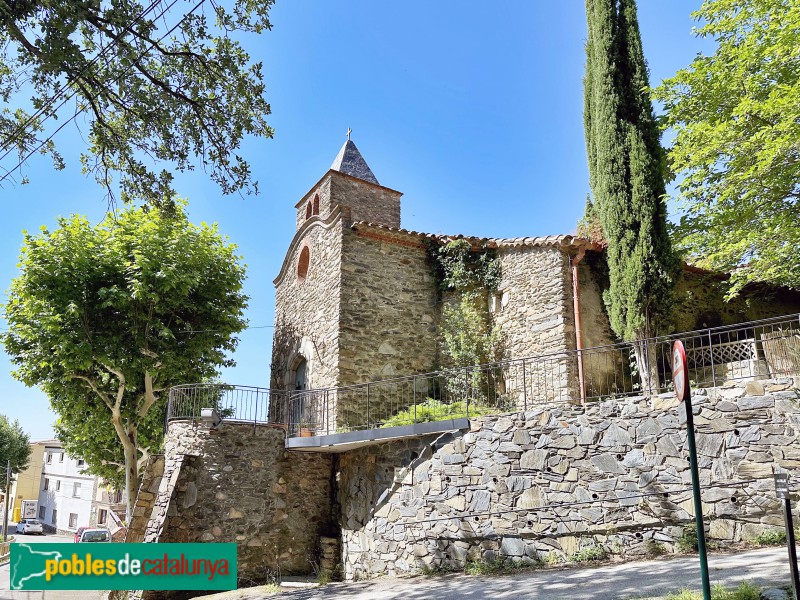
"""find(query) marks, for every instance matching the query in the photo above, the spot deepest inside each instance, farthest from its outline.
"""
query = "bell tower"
(351, 186)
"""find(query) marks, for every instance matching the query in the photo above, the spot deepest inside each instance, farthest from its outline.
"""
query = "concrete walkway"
(647, 579)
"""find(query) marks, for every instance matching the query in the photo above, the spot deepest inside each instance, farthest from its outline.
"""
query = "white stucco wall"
(62, 473)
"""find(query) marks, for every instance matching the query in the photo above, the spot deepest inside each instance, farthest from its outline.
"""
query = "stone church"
(357, 300)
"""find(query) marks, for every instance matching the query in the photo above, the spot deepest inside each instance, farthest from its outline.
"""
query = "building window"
(115, 497)
(303, 262)
(76, 490)
(49, 457)
(46, 484)
(55, 517)
(309, 210)
(73, 520)
(61, 457)
(41, 513)
(316, 204)
(102, 515)
(81, 462)
(58, 485)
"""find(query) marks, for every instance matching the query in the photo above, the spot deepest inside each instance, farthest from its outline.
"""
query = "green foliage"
(467, 335)
(745, 591)
(436, 410)
(463, 270)
(735, 116)
(498, 567)
(626, 166)
(654, 549)
(194, 93)
(590, 227)
(688, 540)
(589, 554)
(771, 537)
(438, 571)
(14, 447)
(105, 319)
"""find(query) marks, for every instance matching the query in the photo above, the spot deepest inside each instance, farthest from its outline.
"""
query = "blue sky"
(472, 110)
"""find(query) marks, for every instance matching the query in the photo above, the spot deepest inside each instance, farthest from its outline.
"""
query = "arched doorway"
(298, 403)
(301, 377)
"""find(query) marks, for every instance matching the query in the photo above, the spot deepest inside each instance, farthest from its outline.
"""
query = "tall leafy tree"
(736, 119)
(105, 319)
(15, 446)
(626, 167)
(153, 83)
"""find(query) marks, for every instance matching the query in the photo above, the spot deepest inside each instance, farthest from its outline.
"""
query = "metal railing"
(232, 402)
(758, 349)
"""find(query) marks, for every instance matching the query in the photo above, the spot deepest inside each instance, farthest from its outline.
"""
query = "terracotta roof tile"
(519, 242)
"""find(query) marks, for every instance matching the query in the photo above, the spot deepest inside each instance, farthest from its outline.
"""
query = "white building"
(65, 493)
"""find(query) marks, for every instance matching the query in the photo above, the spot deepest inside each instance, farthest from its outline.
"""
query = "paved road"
(5, 594)
(647, 579)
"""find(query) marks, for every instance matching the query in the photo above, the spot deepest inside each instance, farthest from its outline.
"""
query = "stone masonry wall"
(239, 484)
(321, 189)
(307, 311)
(546, 483)
(388, 317)
(146, 498)
(535, 315)
(366, 201)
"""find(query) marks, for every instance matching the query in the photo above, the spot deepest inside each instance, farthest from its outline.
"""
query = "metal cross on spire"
(349, 131)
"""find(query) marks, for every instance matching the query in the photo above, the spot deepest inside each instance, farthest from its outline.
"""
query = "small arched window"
(302, 263)
(308, 210)
(316, 204)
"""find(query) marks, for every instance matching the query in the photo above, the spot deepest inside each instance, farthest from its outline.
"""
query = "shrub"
(589, 554)
(436, 410)
(688, 540)
(497, 567)
(653, 548)
(771, 537)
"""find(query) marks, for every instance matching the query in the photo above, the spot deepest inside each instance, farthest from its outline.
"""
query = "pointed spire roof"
(350, 162)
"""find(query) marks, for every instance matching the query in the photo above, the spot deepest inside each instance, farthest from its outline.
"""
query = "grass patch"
(497, 567)
(745, 591)
(654, 549)
(440, 570)
(771, 537)
(436, 410)
(589, 554)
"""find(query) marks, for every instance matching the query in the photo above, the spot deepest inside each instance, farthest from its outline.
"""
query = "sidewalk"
(767, 567)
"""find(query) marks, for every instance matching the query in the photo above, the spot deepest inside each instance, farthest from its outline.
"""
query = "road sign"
(782, 485)
(680, 371)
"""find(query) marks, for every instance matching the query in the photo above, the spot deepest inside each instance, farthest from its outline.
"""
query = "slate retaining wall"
(549, 482)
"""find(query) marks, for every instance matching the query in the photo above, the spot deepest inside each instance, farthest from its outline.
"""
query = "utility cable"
(15, 135)
(80, 110)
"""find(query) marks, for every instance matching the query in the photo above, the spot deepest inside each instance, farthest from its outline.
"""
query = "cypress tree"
(626, 174)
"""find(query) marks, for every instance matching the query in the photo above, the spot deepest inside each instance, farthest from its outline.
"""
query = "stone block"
(755, 402)
(533, 459)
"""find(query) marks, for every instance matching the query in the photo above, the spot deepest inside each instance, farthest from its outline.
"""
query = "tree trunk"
(131, 480)
(127, 436)
(647, 366)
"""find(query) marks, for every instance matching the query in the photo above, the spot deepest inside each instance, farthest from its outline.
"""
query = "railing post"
(524, 387)
(711, 356)
(414, 379)
(466, 389)
(255, 416)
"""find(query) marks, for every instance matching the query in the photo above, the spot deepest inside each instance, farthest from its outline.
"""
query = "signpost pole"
(782, 491)
(681, 381)
(6, 503)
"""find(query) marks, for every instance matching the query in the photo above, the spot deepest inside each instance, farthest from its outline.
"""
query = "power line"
(80, 110)
(15, 136)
